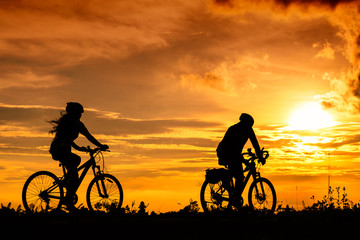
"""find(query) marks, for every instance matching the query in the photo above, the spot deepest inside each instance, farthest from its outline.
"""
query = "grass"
(333, 217)
(184, 224)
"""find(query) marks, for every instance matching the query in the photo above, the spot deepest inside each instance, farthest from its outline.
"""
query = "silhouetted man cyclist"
(230, 148)
(67, 129)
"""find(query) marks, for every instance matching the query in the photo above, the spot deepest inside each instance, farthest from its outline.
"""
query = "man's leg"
(238, 173)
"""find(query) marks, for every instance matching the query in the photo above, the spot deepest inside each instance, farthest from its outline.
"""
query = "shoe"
(71, 207)
(236, 201)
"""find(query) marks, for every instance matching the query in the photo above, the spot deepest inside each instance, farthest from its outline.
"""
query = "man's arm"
(255, 144)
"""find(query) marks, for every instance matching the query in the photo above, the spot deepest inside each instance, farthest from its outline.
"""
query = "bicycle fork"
(102, 189)
(259, 195)
(100, 186)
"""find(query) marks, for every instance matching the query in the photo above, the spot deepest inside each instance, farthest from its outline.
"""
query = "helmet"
(247, 118)
(74, 107)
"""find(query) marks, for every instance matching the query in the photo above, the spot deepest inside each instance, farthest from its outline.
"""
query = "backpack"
(221, 153)
(215, 175)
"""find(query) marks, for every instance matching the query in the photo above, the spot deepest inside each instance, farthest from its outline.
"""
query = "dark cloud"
(24, 114)
(330, 3)
(345, 154)
(197, 142)
(33, 119)
(157, 154)
(289, 178)
(26, 142)
(138, 173)
(354, 85)
(25, 131)
(345, 94)
(287, 3)
(184, 169)
(96, 121)
(340, 141)
(135, 127)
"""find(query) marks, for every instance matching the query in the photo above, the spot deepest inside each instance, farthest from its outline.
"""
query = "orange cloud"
(67, 33)
(163, 77)
(326, 52)
(29, 79)
(344, 15)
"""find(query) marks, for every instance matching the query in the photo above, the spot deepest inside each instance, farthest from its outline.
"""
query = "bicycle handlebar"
(95, 150)
(265, 154)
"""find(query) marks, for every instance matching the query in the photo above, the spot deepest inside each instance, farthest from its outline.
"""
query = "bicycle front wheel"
(42, 192)
(262, 195)
(104, 193)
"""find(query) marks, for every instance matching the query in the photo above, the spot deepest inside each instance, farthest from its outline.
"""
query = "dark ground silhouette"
(320, 221)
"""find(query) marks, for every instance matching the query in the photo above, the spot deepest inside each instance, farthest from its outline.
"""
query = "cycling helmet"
(74, 107)
(247, 118)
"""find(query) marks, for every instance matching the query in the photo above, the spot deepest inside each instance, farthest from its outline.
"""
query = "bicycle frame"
(44, 191)
(251, 172)
(85, 168)
(219, 188)
(251, 168)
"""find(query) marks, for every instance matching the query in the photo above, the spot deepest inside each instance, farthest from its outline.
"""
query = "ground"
(334, 224)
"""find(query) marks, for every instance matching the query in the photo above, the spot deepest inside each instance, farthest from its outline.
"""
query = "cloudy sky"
(161, 81)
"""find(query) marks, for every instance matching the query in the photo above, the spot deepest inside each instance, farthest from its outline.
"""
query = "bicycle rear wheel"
(104, 193)
(214, 197)
(42, 192)
(262, 195)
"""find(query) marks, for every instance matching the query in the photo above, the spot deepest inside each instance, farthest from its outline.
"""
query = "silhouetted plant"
(331, 202)
(130, 210)
(337, 201)
(193, 207)
(106, 205)
(7, 210)
(286, 209)
(142, 209)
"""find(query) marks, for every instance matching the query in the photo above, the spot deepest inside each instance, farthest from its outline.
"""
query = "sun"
(310, 116)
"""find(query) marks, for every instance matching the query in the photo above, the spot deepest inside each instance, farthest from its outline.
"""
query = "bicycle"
(44, 191)
(218, 190)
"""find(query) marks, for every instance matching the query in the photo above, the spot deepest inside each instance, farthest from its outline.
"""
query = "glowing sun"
(310, 116)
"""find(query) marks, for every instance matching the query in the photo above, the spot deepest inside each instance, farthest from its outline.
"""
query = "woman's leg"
(71, 162)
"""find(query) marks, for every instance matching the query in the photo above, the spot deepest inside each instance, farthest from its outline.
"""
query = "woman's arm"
(77, 147)
(91, 138)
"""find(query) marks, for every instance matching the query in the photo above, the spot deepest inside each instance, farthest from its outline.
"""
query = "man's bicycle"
(44, 191)
(218, 190)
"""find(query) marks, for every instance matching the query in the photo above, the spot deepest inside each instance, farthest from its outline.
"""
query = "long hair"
(55, 123)
(71, 108)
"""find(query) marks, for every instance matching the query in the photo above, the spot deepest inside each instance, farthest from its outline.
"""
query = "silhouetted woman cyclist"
(67, 129)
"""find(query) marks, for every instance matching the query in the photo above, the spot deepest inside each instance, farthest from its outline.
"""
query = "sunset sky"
(161, 81)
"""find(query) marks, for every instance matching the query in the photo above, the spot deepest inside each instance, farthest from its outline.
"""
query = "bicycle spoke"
(41, 192)
(96, 197)
(262, 195)
(215, 197)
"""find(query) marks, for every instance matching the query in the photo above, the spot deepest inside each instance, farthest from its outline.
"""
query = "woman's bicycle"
(44, 191)
(218, 190)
